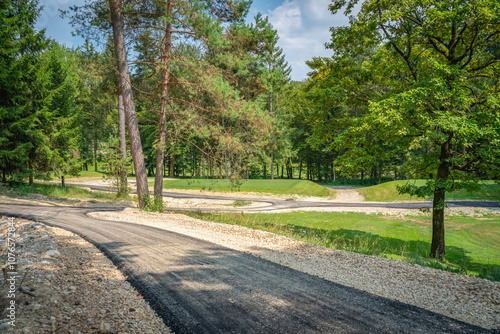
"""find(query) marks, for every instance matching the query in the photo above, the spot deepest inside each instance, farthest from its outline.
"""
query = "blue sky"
(303, 27)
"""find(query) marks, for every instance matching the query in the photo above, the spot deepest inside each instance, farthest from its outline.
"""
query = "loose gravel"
(71, 287)
(469, 299)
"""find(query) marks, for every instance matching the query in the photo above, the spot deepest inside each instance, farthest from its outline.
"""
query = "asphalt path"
(200, 287)
(276, 205)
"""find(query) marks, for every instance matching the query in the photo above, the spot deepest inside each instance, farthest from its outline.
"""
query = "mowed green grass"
(84, 175)
(56, 190)
(472, 243)
(286, 187)
(387, 192)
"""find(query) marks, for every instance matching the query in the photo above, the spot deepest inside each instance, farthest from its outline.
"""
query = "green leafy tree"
(436, 67)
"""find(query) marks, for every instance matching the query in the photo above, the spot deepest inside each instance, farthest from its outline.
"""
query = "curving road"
(276, 205)
(200, 287)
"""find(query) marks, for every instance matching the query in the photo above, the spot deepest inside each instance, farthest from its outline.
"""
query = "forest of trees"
(411, 91)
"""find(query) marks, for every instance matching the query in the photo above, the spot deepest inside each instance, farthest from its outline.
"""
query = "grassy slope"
(56, 190)
(472, 244)
(387, 192)
(287, 187)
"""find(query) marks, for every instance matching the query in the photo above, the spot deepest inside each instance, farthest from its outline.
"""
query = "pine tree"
(22, 85)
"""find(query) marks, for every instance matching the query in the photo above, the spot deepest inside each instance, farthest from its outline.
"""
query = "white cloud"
(304, 28)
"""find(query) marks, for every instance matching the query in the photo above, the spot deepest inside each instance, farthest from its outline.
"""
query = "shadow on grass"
(458, 259)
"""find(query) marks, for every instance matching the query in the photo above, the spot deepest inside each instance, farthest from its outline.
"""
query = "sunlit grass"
(285, 187)
(472, 243)
(387, 192)
(56, 190)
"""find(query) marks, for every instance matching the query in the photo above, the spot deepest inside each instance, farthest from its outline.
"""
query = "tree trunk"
(95, 149)
(380, 174)
(265, 170)
(172, 165)
(62, 181)
(438, 245)
(272, 166)
(128, 101)
(123, 189)
(334, 173)
(30, 178)
(162, 130)
(300, 170)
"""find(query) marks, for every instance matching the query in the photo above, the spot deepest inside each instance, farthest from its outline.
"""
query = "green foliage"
(415, 81)
(96, 100)
(37, 136)
(22, 84)
(114, 166)
(241, 203)
(410, 89)
(153, 204)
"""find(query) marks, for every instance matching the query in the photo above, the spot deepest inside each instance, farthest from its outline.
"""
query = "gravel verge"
(71, 286)
(465, 298)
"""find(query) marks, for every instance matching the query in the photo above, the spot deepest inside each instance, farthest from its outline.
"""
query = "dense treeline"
(411, 91)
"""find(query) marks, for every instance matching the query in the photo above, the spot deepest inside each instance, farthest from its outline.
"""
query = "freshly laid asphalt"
(200, 287)
(292, 204)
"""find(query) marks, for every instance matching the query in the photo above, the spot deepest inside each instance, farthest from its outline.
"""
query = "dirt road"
(200, 287)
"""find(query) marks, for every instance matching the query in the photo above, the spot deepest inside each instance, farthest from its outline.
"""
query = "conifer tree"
(22, 85)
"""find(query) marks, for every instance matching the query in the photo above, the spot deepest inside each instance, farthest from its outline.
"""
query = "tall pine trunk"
(128, 101)
(162, 131)
(123, 147)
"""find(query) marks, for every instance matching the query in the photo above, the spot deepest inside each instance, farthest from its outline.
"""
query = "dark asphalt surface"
(200, 287)
(292, 204)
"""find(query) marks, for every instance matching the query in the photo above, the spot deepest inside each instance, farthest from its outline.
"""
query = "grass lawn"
(84, 175)
(286, 187)
(57, 191)
(387, 192)
(472, 244)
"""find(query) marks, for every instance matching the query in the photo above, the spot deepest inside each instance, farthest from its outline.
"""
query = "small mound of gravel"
(71, 287)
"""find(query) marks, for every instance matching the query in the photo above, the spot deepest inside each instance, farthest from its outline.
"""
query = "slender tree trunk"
(265, 170)
(62, 181)
(438, 244)
(30, 177)
(300, 170)
(334, 172)
(272, 166)
(123, 189)
(160, 152)
(128, 101)
(95, 149)
(380, 173)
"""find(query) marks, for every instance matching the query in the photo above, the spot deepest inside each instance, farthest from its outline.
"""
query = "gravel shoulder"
(469, 299)
(71, 286)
